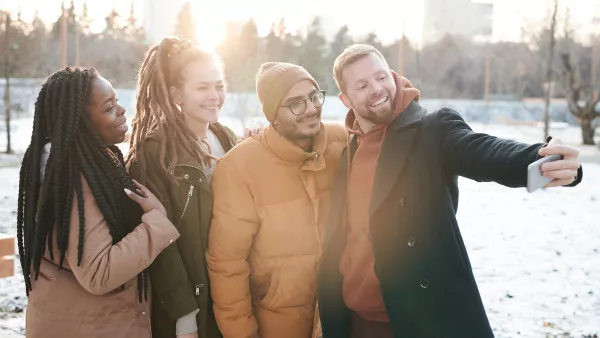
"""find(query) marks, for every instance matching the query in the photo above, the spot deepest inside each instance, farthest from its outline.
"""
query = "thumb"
(554, 141)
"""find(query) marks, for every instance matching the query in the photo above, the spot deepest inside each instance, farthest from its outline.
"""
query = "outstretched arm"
(485, 158)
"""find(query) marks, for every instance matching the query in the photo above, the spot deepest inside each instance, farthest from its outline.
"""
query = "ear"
(275, 122)
(346, 101)
(176, 95)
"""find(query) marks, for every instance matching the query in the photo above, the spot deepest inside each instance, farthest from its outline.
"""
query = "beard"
(308, 118)
(384, 115)
(298, 129)
(305, 117)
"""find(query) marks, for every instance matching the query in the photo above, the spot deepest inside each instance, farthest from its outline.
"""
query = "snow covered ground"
(536, 256)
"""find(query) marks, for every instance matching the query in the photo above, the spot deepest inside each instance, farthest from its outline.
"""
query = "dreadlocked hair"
(61, 118)
(156, 111)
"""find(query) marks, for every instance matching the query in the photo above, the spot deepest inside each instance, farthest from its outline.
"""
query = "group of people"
(302, 229)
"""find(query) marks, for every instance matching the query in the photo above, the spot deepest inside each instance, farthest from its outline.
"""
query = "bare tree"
(578, 93)
(550, 71)
(7, 50)
(185, 28)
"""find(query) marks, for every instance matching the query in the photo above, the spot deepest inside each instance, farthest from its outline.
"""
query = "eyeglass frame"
(289, 106)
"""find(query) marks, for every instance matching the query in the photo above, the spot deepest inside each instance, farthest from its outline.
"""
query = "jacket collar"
(413, 114)
(187, 160)
(288, 151)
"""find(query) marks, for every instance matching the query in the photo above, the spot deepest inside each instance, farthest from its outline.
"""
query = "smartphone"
(535, 180)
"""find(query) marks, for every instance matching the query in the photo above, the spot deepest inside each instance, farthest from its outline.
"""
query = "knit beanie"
(274, 80)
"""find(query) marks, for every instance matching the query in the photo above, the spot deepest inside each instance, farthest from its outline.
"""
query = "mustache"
(305, 116)
(376, 96)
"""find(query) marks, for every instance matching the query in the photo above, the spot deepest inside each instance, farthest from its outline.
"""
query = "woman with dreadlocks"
(84, 245)
(174, 145)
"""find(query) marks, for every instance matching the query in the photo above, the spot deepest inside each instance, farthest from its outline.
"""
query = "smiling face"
(106, 114)
(370, 89)
(202, 91)
(299, 125)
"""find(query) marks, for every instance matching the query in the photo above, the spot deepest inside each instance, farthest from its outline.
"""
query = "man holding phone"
(394, 263)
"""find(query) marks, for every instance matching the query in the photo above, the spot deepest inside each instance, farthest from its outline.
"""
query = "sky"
(510, 16)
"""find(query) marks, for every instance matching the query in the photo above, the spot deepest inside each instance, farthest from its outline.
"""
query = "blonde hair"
(161, 69)
(350, 55)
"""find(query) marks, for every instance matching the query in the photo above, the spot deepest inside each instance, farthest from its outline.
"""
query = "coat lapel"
(395, 153)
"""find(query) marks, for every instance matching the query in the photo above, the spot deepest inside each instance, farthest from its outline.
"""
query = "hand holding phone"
(535, 178)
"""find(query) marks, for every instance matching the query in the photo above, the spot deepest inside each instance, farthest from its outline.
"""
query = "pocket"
(260, 287)
(294, 284)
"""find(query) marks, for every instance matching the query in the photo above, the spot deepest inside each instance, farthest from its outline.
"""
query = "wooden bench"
(7, 255)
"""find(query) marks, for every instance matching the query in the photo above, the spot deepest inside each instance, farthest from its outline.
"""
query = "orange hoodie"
(361, 288)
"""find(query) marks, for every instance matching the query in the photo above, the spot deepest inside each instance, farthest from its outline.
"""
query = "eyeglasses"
(298, 107)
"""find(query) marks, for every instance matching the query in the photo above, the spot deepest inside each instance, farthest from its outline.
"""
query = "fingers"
(142, 188)
(138, 199)
(246, 132)
(559, 183)
(560, 149)
(560, 174)
(258, 129)
(570, 164)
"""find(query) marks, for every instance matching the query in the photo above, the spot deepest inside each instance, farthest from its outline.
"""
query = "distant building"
(159, 18)
(458, 17)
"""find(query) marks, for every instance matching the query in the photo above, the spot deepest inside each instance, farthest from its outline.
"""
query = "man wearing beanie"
(271, 203)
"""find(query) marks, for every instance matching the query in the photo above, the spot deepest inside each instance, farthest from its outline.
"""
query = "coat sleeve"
(234, 224)
(171, 286)
(106, 266)
(479, 156)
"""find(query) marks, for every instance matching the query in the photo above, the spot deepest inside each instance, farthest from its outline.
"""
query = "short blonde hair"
(350, 55)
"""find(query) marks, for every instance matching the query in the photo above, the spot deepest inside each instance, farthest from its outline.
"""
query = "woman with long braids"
(174, 145)
(84, 245)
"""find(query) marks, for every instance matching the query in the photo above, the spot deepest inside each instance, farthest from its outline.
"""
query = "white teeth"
(380, 101)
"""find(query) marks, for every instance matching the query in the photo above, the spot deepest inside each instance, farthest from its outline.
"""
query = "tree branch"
(573, 92)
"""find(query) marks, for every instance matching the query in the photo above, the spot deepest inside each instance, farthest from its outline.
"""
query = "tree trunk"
(549, 72)
(7, 86)
(8, 146)
(587, 131)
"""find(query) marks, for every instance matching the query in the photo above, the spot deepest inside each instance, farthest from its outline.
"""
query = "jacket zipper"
(145, 314)
(190, 193)
(315, 220)
(187, 203)
(316, 225)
